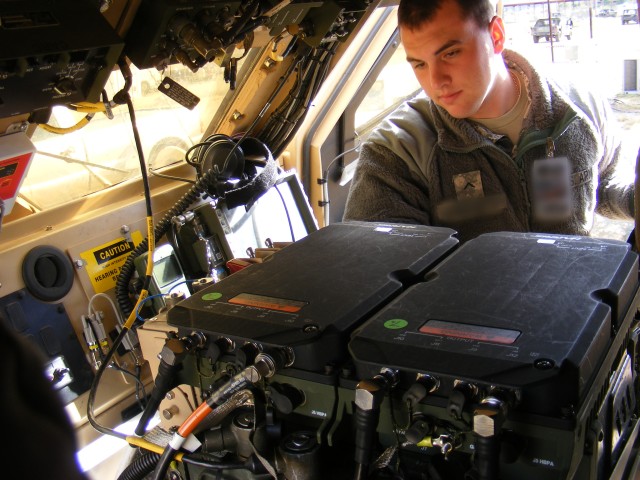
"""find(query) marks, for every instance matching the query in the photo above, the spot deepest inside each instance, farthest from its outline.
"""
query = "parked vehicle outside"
(559, 27)
(629, 15)
(607, 12)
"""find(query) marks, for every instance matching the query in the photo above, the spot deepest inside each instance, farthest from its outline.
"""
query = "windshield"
(103, 153)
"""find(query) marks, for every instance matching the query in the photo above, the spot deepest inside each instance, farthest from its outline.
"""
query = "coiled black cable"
(140, 467)
(209, 179)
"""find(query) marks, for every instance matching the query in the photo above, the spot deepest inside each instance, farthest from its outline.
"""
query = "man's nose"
(438, 76)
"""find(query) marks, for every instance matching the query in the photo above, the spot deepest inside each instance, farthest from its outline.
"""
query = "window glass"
(103, 153)
(395, 83)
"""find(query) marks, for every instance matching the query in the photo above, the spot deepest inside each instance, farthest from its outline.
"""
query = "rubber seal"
(47, 273)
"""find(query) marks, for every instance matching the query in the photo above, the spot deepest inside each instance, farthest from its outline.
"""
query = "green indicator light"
(395, 324)
(211, 296)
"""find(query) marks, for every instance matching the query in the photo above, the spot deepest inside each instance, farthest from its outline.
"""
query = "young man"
(492, 145)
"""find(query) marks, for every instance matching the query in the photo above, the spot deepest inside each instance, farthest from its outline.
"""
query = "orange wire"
(194, 419)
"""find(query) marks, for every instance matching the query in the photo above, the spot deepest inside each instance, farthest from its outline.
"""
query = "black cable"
(94, 388)
(324, 181)
(123, 96)
(140, 467)
(170, 177)
(163, 463)
(143, 167)
(201, 461)
(188, 159)
(313, 66)
(140, 391)
(122, 281)
(286, 211)
(165, 381)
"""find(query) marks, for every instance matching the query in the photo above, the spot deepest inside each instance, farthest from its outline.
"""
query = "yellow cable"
(151, 240)
(87, 107)
(62, 130)
(152, 447)
(83, 107)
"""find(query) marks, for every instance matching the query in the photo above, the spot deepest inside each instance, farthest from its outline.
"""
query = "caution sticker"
(104, 262)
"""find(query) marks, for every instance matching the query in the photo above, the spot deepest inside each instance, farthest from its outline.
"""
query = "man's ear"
(497, 32)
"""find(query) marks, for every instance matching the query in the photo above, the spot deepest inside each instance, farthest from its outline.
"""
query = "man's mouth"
(449, 98)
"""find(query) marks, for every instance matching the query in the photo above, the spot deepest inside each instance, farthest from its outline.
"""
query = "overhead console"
(62, 52)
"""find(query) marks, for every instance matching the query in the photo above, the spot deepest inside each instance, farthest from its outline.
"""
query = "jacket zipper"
(533, 139)
(541, 137)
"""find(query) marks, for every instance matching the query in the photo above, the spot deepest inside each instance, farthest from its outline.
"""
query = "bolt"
(78, 263)
(174, 475)
(169, 413)
(124, 229)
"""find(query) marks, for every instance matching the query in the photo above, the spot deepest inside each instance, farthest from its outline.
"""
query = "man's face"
(455, 62)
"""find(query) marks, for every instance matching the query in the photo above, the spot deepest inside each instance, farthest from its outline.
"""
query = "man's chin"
(458, 113)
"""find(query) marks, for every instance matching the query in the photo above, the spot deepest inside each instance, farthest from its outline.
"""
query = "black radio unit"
(390, 351)
(53, 53)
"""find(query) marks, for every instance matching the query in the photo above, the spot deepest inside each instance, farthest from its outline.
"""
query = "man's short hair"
(413, 13)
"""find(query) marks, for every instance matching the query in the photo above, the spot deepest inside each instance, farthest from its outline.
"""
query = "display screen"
(271, 303)
(166, 270)
(471, 332)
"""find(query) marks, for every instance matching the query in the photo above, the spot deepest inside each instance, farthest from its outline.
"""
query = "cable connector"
(99, 330)
(369, 396)
(92, 343)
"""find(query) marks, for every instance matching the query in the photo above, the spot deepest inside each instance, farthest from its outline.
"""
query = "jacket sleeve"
(616, 165)
(385, 189)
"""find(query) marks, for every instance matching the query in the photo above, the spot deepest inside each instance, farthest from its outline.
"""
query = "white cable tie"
(176, 441)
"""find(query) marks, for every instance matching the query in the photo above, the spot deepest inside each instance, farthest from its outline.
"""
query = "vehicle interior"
(173, 177)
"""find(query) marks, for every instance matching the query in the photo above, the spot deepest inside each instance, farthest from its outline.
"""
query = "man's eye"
(451, 53)
(417, 66)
